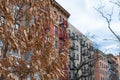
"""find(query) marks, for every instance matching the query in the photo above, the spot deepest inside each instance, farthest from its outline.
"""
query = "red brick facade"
(101, 66)
(58, 28)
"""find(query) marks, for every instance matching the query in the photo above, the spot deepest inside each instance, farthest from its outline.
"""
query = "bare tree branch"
(108, 19)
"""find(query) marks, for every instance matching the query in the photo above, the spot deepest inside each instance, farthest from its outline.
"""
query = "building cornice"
(60, 8)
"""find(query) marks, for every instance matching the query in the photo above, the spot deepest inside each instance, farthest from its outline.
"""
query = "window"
(87, 45)
(63, 19)
(55, 30)
(1, 44)
(55, 16)
(69, 33)
(77, 37)
(15, 53)
(47, 38)
(73, 55)
(2, 20)
(60, 19)
(16, 26)
(73, 34)
(60, 47)
(70, 64)
(73, 45)
(55, 13)
(71, 75)
(61, 32)
(32, 20)
(56, 44)
(77, 65)
(36, 76)
(77, 56)
(28, 56)
(100, 64)
(64, 34)
(82, 43)
(16, 8)
(83, 60)
(77, 47)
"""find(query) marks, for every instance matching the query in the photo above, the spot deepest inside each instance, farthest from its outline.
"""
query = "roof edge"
(60, 7)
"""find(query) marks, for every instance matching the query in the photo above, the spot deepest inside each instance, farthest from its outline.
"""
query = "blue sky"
(87, 20)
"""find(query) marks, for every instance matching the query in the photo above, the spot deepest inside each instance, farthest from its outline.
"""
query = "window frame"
(2, 20)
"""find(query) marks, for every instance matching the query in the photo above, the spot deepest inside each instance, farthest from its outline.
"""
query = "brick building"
(57, 26)
(101, 66)
(112, 67)
(118, 62)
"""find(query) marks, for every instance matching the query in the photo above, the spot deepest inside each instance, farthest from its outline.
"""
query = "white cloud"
(112, 48)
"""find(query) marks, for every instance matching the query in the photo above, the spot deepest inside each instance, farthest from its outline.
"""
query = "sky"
(87, 20)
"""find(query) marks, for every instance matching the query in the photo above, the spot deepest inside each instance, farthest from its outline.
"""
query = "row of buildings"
(85, 61)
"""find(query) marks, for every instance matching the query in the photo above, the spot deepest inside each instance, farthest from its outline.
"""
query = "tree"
(26, 44)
